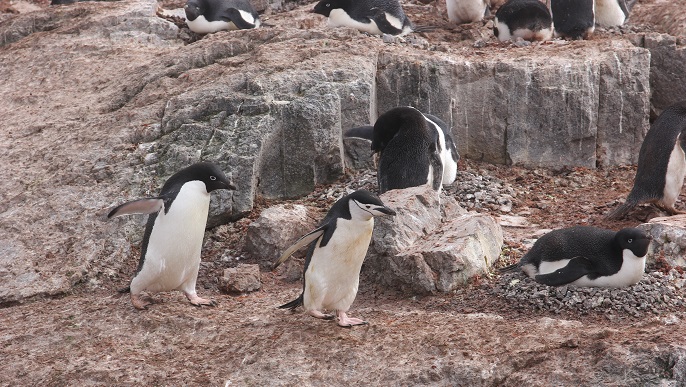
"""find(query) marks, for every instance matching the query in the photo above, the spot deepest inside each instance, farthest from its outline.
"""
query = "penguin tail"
(125, 290)
(622, 210)
(293, 304)
(509, 269)
(424, 28)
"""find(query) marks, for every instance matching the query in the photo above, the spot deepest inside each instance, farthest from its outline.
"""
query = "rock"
(275, 230)
(431, 245)
(667, 70)
(243, 278)
(669, 239)
(358, 153)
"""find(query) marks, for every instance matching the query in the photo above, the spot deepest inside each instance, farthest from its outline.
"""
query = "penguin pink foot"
(347, 322)
(323, 316)
(138, 302)
(198, 301)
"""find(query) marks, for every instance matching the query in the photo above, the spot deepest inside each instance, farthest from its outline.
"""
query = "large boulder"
(431, 245)
(669, 239)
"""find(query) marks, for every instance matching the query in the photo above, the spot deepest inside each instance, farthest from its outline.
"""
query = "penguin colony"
(412, 148)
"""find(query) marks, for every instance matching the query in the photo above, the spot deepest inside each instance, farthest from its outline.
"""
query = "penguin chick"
(170, 253)
(375, 17)
(334, 259)
(526, 19)
(573, 19)
(208, 16)
(661, 164)
(466, 11)
(587, 256)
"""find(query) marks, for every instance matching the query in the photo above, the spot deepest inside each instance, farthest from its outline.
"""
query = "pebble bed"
(656, 294)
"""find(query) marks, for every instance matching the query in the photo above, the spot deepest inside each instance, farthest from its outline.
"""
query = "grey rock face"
(241, 279)
(669, 239)
(431, 244)
(667, 70)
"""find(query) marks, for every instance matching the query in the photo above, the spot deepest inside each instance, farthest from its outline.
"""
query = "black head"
(194, 8)
(633, 239)
(208, 173)
(324, 7)
(391, 122)
(368, 202)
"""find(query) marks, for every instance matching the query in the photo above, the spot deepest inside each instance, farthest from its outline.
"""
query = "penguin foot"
(139, 303)
(347, 322)
(198, 301)
(323, 316)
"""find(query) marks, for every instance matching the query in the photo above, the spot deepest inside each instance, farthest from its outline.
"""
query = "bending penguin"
(334, 259)
(661, 164)
(375, 17)
(413, 149)
(573, 19)
(587, 256)
(208, 16)
(466, 11)
(611, 13)
(526, 19)
(170, 254)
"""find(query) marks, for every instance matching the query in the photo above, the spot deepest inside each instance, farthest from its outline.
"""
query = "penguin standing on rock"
(526, 19)
(466, 11)
(170, 254)
(334, 259)
(587, 256)
(208, 16)
(413, 149)
(573, 19)
(661, 164)
(375, 17)
(611, 13)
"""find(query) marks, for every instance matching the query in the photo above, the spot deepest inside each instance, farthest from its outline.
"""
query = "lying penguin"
(170, 253)
(208, 16)
(587, 256)
(375, 17)
(661, 164)
(526, 19)
(334, 259)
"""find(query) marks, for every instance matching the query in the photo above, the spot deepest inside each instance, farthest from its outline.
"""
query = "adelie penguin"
(170, 254)
(526, 19)
(413, 149)
(573, 19)
(661, 164)
(337, 249)
(587, 256)
(208, 16)
(466, 11)
(611, 13)
(375, 17)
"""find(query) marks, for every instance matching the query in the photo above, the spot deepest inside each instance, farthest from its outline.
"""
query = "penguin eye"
(328, 5)
(630, 240)
(213, 178)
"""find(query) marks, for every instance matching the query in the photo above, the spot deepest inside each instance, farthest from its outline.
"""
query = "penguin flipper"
(436, 165)
(141, 206)
(234, 15)
(623, 6)
(383, 24)
(576, 268)
(303, 241)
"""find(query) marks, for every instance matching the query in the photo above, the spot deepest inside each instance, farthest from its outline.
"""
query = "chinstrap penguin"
(573, 19)
(611, 13)
(526, 19)
(208, 16)
(661, 164)
(587, 256)
(413, 150)
(170, 253)
(337, 249)
(466, 11)
(375, 17)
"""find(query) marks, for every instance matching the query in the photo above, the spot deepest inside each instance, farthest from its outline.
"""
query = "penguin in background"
(467, 11)
(412, 150)
(208, 16)
(526, 19)
(661, 164)
(611, 13)
(366, 132)
(573, 19)
(587, 256)
(170, 253)
(375, 17)
(337, 249)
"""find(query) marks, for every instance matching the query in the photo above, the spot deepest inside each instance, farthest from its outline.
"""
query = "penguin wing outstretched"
(140, 206)
(303, 241)
(576, 268)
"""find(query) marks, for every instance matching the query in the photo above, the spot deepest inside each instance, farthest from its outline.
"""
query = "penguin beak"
(386, 211)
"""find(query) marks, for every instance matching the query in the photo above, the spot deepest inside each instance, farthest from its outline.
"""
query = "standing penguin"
(375, 17)
(574, 19)
(412, 150)
(587, 256)
(466, 11)
(207, 16)
(526, 19)
(661, 164)
(170, 254)
(611, 13)
(334, 259)
(449, 155)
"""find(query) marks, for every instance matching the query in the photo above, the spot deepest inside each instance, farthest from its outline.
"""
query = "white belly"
(333, 275)
(201, 26)
(449, 164)
(608, 13)
(173, 254)
(339, 18)
(676, 170)
(466, 11)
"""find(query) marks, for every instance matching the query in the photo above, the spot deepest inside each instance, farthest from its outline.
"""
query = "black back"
(215, 10)
(362, 10)
(656, 149)
(572, 18)
(524, 14)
